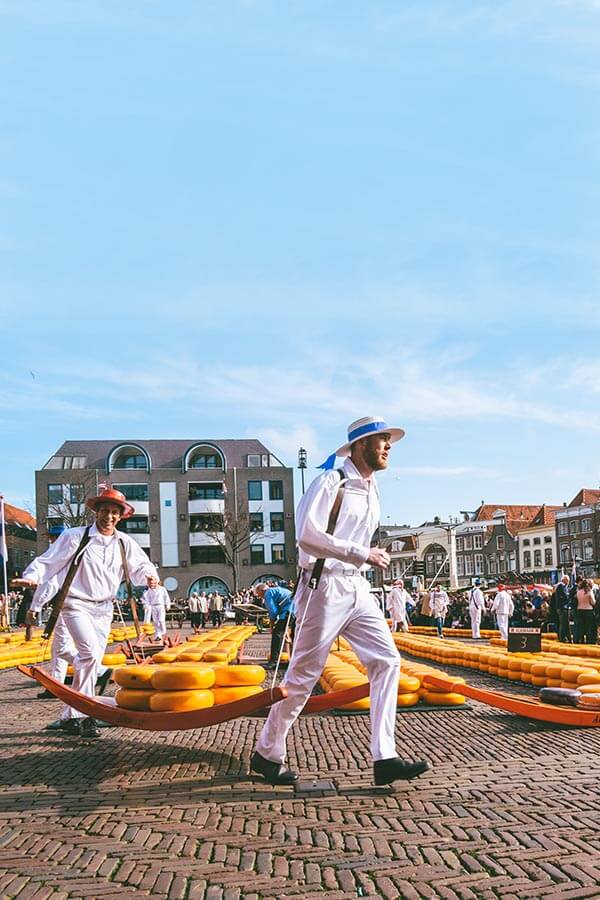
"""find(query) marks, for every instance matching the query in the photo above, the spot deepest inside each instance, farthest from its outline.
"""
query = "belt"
(337, 573)
(87, 600)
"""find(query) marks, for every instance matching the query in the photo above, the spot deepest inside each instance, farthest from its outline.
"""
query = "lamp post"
(302, 464)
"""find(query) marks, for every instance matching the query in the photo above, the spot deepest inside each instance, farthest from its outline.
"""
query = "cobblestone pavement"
(510, 809)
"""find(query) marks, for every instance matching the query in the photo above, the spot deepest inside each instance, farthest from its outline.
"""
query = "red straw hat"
(110, 495)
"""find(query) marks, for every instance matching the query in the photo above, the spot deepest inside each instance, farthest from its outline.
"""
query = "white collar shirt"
(100, 571)
(350, 544)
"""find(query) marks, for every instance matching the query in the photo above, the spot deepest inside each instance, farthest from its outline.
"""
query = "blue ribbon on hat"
(363, 431)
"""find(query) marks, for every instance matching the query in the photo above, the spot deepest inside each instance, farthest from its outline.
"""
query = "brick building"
(577, 532)
(20, 540)
(538, 549)
(191, 497)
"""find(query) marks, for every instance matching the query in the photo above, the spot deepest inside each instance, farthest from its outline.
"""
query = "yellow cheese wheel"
(538, 669)
(170, 701)
(437, 699)
(408, 699)
(572, 673)
(229, 694)
(136, 677)
(114, 659)
(183, 678)
(132, 699)
(226, 676)
(165, 656)
(216, 656)
(589, 688)
(408, 684)
(190, 656)
(588, 678)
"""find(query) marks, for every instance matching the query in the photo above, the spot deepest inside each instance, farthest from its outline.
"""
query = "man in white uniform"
(504, 607)
(158, 602)
(88, 608)
(397, 600)
(341, 604)
(476, 608)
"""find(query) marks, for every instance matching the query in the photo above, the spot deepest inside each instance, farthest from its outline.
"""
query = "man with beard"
(337, 601)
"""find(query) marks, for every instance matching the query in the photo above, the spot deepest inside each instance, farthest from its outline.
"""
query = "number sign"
(524, 640)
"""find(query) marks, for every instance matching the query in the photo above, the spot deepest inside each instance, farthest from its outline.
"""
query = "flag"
(3, 550)
(573, 581)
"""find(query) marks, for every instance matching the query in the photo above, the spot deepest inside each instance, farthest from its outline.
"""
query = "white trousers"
(159, 620)
(475, 615)
(502, 620)
(63, 650)
(147, 614)
(88, 625)
(342, 605)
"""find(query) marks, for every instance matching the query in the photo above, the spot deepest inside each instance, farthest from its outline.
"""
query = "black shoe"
(102, 681)
(46, 695)
(89, 729)
(397, 769)
(272, 772)
(64, 726)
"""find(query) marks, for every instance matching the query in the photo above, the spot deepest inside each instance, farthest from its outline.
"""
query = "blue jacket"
(562, 597)
(278, 602)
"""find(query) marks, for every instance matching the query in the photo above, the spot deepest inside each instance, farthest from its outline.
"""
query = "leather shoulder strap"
(333, 517)
(130, 597)
(57, 602)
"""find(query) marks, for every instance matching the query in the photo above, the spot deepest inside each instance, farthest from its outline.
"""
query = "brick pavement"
(510, 810)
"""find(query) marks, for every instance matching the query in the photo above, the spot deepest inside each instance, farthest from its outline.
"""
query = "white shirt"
(350, 544)
(43, 594)
(100, 571)
(476, 599)
(438, 601)
(157, 597)
(194, 603)
(397, 600)
(503, 603)
(203, 603)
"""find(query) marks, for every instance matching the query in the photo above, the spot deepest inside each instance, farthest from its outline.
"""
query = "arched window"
(210, 585)
(128, 456)
(204, 456)
(435, 559)
(588, 550)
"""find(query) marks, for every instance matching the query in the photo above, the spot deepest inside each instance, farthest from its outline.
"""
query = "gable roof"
(586, 497)
(546, 515)
(17, 516)
(516, 517)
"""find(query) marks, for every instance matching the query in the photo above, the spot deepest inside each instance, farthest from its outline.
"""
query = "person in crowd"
(585, 620)
(339, 602)
(476, 608)
(503, 607)
(399, 601)
(563, 607)
(88, 606)
(438, 603)
(194, 608)
(216, 609)
(279, 604)
(203, 608)
(158, 601)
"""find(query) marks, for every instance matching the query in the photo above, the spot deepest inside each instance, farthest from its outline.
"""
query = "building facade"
(577, 533)
(214, 515)
(20, 541)
(538, 551)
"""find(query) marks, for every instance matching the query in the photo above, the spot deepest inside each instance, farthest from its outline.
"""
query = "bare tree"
(234, 532)
(70, 511)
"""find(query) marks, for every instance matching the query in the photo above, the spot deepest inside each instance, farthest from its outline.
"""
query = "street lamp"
(302, 463)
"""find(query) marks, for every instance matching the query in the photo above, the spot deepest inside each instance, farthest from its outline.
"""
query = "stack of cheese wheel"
(339, 675)
(16, 651)
(114, 659)
(164, 688)
(436, 696)
(408, 689)
(236, 682)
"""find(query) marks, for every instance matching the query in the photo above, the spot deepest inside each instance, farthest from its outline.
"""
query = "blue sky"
(229, 219)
